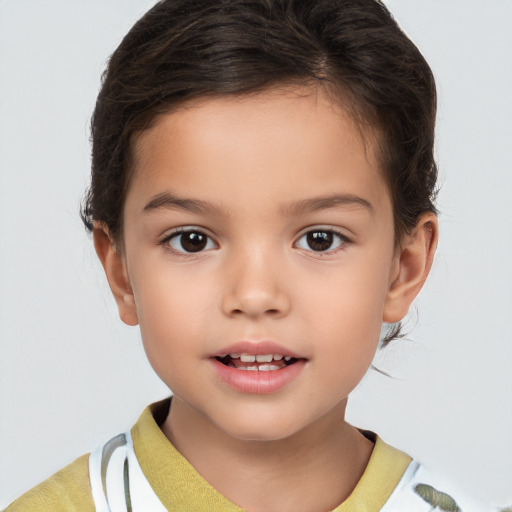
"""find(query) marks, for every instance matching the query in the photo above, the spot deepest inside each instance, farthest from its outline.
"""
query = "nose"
(255, 287)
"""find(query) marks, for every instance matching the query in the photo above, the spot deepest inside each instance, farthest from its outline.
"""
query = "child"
(261, 202)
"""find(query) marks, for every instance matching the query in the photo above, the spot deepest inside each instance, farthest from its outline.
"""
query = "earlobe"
(117, 275)
(411, 267)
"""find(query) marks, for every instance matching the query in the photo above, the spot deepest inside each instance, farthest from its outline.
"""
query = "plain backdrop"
(72, 375)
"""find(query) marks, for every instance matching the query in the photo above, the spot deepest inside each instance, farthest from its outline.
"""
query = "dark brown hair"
(185, 49)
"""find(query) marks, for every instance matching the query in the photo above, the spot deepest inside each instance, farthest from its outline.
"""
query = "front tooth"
(253, 368)
(264, 358)
(234, 356)
(247, 358)
(278, 357)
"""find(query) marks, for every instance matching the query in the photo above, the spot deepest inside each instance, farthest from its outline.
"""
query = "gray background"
(72, 375)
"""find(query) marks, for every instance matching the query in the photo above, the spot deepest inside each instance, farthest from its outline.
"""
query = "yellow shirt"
(181, 489)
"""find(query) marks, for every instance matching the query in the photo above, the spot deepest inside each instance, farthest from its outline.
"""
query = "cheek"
(348, 300)
(346, 313)
(170, 306)
(170, 331)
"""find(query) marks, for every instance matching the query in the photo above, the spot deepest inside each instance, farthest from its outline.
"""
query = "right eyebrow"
(168, 201)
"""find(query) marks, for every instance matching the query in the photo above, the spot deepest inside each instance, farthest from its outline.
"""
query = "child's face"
(248, 178)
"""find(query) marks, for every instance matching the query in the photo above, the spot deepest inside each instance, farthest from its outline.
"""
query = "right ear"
(114, 265)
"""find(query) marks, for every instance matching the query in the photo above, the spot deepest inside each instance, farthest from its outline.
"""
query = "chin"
(260, 429)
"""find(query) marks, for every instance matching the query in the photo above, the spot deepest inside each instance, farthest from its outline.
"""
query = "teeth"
(260, 358)
(266, 358)
(261, 368)
(268, 367)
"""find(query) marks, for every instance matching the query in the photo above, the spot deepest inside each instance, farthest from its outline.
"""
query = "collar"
(179, 486)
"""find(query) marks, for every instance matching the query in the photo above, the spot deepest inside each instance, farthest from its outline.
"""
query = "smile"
(256, 362)
(257, 367)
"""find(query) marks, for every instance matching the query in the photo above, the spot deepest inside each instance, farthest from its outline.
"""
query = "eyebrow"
(324, 202)
(166, 200)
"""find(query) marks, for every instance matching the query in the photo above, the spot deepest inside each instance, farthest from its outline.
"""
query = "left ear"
(411, 266)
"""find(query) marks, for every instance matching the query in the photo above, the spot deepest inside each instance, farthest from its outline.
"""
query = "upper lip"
(256, 347)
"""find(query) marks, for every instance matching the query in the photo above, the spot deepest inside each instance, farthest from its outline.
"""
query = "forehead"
(273, 139)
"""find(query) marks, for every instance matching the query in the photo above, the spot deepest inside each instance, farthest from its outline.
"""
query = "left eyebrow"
(324, 202)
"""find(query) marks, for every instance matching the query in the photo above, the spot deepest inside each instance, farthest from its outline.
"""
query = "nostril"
(267, 311)
(254, 303)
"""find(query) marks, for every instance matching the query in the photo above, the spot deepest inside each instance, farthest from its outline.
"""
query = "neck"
(315, 469)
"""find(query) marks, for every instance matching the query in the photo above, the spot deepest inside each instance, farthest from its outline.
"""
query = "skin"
(253, 157)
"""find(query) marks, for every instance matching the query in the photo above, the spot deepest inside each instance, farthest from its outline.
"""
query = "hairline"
(341, 97)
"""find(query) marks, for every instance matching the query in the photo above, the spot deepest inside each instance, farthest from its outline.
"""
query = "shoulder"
(69, 490)
(65, 491)
(421, 489)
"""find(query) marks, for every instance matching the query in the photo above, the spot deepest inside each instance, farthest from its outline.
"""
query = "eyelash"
(343, 241)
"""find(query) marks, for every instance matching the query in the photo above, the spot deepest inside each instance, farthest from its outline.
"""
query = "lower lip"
(258, 382)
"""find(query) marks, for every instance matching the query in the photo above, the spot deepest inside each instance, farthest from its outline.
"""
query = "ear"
(411, 266)
(114, 265)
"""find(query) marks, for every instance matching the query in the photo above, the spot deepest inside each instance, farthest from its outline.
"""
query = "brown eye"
(190, 242)
(321, 240)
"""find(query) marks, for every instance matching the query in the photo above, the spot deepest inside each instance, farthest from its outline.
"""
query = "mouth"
(257, 362)
(261, 367)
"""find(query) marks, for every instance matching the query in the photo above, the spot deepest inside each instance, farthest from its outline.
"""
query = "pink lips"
(257, 382)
